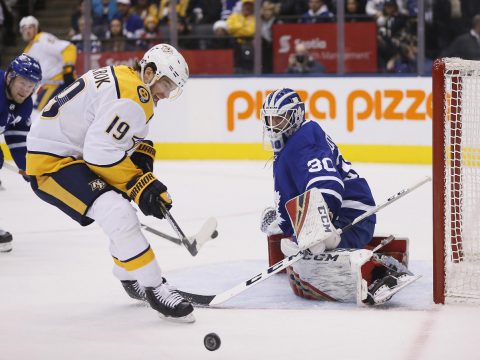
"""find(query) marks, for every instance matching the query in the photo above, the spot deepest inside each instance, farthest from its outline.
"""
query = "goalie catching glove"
(269, 222)
(149, 193)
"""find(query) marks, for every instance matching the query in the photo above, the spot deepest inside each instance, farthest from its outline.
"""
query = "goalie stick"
(192, 243)
(211, 300)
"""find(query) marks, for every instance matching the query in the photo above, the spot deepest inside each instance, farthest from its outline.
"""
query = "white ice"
(58, 299)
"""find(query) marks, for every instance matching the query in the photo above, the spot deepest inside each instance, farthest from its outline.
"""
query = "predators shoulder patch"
(143, 94)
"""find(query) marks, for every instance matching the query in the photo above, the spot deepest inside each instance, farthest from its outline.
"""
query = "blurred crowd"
(124, 25)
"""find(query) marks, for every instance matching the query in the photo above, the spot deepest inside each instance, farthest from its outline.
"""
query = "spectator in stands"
(184, 30)
(291, 10)
(132, 23)
(222, 39)
(74, 29)
(151, 35)
(302, 62)
(144, 8)
(77, 39)
(116, 38)
(228, 7)
(466, 46)
(204, 11)
(268, 13)
(317, 12)
(242, 27)
(164, 10)
(391, 32)
(375, 7)
(103, 11)
(353, 9)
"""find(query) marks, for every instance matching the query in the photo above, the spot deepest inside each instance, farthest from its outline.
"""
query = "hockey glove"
(148, 193)
(144, 155)
(68, 75)
(269, 222)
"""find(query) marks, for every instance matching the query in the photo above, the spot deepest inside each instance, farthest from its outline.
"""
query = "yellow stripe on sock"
(136, 262)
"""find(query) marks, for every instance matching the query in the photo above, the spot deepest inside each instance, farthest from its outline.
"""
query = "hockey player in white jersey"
(56, 57)
(316, 192)
(87, 156)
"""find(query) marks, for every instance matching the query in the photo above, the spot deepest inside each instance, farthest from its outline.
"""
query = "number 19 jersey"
(98, 119)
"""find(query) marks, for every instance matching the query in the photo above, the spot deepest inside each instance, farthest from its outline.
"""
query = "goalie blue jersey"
(310, 159)
(14, 123)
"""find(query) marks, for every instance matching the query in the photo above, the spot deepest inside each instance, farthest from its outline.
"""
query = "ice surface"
(58, 299)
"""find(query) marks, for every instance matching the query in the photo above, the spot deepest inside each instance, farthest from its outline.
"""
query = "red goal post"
(456, 180)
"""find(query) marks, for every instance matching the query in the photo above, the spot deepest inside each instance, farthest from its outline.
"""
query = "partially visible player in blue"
(17, 85)
(305, 157)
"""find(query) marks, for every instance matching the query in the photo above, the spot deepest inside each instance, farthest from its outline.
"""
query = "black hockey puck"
(214, 234)
(212, 341)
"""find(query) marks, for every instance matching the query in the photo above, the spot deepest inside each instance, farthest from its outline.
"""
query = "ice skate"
(134, 289)
(5, 241)
(169, 303)
(382, 290)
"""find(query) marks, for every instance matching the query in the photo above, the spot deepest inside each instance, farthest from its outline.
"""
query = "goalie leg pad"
(330, 276)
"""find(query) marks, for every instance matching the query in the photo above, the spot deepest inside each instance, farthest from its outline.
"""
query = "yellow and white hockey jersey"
(99, 119)
(53, 55)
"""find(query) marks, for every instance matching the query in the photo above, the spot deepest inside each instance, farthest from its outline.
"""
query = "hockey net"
(456, 185)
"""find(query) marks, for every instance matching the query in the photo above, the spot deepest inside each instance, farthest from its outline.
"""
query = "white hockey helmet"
(29, 20)
(168, 62)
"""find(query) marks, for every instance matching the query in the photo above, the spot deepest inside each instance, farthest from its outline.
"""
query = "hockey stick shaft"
(279, 266)
(161, 234)
(390, 200)
(191, 246)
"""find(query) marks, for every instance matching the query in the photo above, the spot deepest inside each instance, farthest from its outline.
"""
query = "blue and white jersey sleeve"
(311, 159)
(16, 137)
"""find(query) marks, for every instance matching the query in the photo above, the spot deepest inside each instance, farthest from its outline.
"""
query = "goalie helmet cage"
(456, 181)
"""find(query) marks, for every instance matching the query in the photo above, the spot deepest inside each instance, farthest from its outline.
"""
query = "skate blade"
(184, 319)
(387, 294)
(7, 247)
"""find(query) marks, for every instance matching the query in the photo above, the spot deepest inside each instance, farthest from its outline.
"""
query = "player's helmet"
(168, 62)
(27, 67)
(27, 21)
(282, 114)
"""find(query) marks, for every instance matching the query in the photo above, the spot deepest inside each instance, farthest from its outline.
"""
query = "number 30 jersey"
(99, 119)
(311, 159)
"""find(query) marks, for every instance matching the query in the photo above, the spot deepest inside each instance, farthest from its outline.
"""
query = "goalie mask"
(168, 62)
(282, 114)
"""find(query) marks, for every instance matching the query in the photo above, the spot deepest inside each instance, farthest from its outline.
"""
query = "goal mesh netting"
(456, 168)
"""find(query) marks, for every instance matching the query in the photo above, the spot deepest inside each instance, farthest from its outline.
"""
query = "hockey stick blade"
(207, 232)
(192, 243)
(209, 300)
